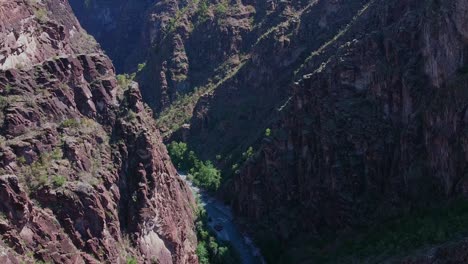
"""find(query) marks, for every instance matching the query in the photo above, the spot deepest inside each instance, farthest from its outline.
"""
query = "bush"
(203, 174)
(203, 9)
(72, 123)
(248, 154)
(141, 66)
(178, 153)
(132, 260)
(206, 176)
(59, 181)
(267, 132)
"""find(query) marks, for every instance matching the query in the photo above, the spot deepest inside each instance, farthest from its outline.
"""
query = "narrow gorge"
(234, 131)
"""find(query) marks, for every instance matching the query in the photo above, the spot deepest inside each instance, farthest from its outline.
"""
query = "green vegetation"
(180, 111)
(205, 175)
(124, 80)
(203, 11)
(177, 151)
(37, 175)
(221, 9)
(248, 154)
(59, 180)
(70, 123)
(268, 132)
(401, 235)
(202, 174)
(21, 160)
(132, 260)
(141, 66)
(41, 15)
(209, 249)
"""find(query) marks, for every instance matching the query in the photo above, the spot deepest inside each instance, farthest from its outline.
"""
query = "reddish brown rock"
(86, 178)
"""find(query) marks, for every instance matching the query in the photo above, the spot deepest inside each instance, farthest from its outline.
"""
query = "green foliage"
(21, 160)
(70, 123)
(203, 11)
(202, 253)
(8, 88)
(178, 153)
(141, 66)
(59, 180)
(221, 9)
(202, 174)
(209, 249)
(248, 154)
(41, 15)
(205, 175)
(124, 80)
(181, 110)
(3, 102)
(268, 132)
(418, 228)
(132, 260)
(131, 116)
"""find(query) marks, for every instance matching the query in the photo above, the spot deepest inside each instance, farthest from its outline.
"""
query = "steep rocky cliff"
(84, 175)
(379, 125)
(365, 104)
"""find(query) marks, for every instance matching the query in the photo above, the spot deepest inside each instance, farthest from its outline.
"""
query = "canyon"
(339, 128)
(85, 176)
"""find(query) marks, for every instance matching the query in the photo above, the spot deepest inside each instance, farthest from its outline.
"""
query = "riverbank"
(222, 223)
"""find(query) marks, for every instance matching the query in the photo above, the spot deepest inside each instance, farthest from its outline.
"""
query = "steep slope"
(374, 127)
(379, 125)
(85, 177)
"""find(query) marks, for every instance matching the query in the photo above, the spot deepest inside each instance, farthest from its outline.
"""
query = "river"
(221, 215)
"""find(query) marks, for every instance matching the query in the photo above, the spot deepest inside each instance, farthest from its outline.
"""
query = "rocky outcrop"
(85, 176)
(32, 31)
(379, 125)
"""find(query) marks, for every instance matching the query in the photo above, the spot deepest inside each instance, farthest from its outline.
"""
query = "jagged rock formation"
(375, 123)
(84, 175)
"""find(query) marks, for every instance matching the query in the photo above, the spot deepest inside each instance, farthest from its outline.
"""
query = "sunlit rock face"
(84, 176)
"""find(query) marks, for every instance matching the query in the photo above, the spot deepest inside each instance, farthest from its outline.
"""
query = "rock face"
(84, 175)
(380, 124)
(365, 101)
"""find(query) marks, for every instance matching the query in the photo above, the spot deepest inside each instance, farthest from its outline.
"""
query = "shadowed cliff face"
(380, 124)
(366, 102)
(119, 27)
(84, 175)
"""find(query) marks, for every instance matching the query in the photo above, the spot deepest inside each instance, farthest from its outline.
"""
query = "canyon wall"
(85, 177)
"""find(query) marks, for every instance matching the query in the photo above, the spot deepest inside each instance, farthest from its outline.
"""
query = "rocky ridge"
(85, 177)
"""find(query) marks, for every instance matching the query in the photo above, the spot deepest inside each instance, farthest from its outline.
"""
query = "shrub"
(248, 154)
(206, 176)
(41, 15)
(132, 260)
(267, 132)
(178, 153)
(141, 66)
(21, 160)
(203, 9)
(59, 180)
(70, 123)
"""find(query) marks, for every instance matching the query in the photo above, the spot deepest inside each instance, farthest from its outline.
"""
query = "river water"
(221, 215)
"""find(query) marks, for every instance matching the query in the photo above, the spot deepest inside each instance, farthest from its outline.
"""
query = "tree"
(178, 153)
(206, 176)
